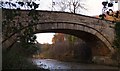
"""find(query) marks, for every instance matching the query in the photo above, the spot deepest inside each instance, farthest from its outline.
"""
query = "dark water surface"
(54, 65)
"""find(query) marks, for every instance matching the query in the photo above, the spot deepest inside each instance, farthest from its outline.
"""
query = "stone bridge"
(96, 32)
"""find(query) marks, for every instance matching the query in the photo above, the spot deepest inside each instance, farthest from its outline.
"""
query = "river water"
(52, 64)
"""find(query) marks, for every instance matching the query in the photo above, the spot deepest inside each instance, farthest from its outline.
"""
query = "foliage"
(58, 37)
(9, 15)
(70, 49)
(108, 12)
(116, 43)
(33, 13)
(116, 19)
(102, 16)
(72, 39)
(16, 58)
(27, 40)
(117, 38)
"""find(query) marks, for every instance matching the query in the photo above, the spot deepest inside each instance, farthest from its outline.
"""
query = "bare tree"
(73, 6)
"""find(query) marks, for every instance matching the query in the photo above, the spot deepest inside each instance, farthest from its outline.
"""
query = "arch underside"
(81, 34)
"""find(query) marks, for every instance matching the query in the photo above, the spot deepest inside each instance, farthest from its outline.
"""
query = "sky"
(45, 37)
(94, 7)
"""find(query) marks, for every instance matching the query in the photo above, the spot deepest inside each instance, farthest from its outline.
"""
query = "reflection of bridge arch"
(87, 28)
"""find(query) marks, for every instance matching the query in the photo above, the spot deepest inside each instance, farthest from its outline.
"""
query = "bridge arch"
(84, 32)
(62, 22)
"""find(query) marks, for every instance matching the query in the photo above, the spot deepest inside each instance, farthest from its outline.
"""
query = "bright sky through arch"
(45, 38)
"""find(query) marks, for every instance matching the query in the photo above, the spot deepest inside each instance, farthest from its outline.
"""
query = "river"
(52, 64)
